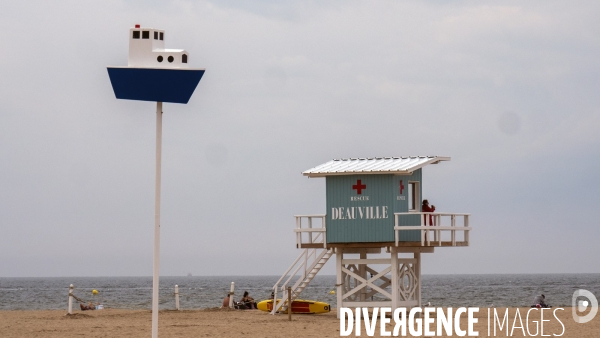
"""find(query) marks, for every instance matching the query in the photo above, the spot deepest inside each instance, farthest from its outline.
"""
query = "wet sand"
(235, 323)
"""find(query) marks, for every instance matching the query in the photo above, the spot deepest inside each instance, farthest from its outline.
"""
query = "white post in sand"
(156, 257)
(177, 297)
(71, 299)
(231, 294)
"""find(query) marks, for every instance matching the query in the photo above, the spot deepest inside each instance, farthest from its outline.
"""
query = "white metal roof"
(376, 165)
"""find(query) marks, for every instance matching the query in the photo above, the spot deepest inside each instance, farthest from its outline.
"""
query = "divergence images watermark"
(579, 305)
(436, 322)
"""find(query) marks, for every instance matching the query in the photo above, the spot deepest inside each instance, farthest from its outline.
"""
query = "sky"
(508, 90)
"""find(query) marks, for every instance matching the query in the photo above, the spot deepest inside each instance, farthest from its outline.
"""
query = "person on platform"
(427, 208)
(540, 302)
(248, 301)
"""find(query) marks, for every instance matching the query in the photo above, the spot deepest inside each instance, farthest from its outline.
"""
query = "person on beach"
(225, 302)
(248, 301)
(84, 307)
(540, 302)
(427, 208)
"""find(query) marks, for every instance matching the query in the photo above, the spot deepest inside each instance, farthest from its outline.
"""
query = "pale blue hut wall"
(354, 220)
(369, 216)
(401, 205)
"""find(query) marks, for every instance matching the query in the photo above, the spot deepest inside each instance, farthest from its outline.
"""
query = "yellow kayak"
(298, 306)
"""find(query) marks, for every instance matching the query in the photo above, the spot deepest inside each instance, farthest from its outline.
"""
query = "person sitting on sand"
(84, 307)
(225, 302)
(248, 301)
(540, 302)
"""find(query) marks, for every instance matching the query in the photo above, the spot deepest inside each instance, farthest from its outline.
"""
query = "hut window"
(145, 34)
(155, 35)
(170, 59)
(162, 35)
(184, 58)
(136, 34)
(159, 58)
(413, 196)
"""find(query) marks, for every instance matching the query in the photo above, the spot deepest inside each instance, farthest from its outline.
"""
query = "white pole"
(71, 299)
(231, 294)
(339, 255)
(395, 281)
(362, 271)
(177, 297)
(417, 256)
(274, 299)
(156, 258)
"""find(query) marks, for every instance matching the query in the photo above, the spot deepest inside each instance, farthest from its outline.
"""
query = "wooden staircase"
(304, 270)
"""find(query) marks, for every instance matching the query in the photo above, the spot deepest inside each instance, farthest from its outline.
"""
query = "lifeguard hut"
(373, 208)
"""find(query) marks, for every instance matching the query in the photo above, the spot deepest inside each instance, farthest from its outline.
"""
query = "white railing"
(311, 229)
(313, 235)
(431, 223)
(297, 273)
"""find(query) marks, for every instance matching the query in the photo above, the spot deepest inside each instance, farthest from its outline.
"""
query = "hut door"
(413, 196)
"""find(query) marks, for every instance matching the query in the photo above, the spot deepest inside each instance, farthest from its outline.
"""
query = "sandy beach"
(233, 323)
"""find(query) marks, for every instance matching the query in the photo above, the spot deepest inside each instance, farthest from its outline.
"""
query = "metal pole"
(289, 303)
(177, 297)
(71, 299)
(156, 257)
(231, 294)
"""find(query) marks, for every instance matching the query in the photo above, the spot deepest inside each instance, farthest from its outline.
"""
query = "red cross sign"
(401, 187)
(359, 187)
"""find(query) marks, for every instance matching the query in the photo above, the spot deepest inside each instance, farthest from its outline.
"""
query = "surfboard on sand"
(298, 306)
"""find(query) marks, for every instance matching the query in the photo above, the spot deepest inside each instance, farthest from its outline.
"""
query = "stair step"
(315, 266)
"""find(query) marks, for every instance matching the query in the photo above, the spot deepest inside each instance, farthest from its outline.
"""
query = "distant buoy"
(94, 292)
(332, 292)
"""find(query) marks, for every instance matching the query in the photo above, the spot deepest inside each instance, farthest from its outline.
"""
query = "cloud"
(507, 91)
(509, 123)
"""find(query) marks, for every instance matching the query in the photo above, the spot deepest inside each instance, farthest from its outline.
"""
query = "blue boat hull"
(151, 84)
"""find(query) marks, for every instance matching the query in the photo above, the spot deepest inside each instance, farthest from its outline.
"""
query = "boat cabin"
(147, 50)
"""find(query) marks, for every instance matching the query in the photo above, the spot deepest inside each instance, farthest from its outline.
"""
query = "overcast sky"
(509, 91)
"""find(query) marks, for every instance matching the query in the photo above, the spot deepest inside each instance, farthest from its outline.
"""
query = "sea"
(198, 292)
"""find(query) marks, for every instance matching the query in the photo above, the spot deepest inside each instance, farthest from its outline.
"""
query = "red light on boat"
(137, 26)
